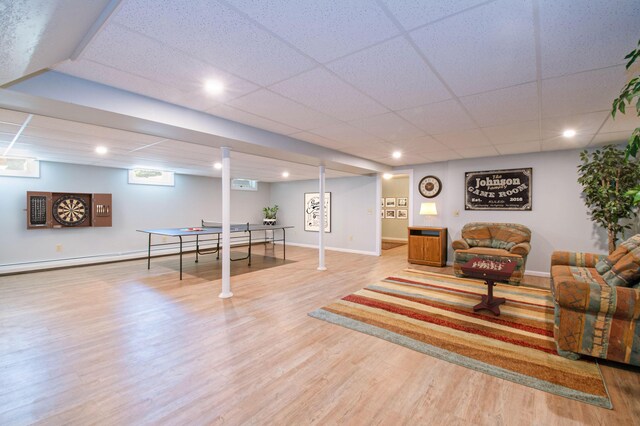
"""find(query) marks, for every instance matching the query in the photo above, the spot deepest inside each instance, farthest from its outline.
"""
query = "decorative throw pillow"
(626, 272)
(605, 264)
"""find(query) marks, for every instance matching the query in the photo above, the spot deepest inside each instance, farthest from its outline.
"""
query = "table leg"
(218, 248)
(149, 254)
(489, 302)
(284, 244)
(180, 256)
(197, 247)
(249, 248)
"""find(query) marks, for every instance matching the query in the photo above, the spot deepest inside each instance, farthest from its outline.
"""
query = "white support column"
(321, 265)
(226, 225)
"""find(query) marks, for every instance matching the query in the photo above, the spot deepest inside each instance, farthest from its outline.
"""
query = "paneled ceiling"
(438, 80)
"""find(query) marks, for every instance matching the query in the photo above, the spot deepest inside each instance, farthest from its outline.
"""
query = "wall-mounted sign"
(498, 190)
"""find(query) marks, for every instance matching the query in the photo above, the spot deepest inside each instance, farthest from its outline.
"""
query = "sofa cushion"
(626, 271)
(606, 264)
(576, 273)
(477, 235)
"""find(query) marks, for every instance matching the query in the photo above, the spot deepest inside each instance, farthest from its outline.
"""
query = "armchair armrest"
(522, 249)
(587, 260)
(619, 302)
(460, 245)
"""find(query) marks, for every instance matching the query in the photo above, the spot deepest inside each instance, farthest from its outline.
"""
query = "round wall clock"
(70, 210)
(430, 186)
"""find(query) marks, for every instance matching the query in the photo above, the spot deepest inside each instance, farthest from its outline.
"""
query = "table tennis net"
(213, 224)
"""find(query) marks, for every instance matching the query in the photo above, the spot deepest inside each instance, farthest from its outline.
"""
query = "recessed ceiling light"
(569, 133)
(101, 150)
(285, 174)
(387, 176)
(217, 165)
(214, 87)
(396, 154)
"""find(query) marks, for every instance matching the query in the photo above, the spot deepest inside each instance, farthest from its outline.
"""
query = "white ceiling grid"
(441, 80)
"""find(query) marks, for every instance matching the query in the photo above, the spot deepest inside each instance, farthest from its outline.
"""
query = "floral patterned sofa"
(493, 241)
(597, 303)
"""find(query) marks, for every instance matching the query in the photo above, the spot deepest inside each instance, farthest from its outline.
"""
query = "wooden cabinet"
(428, 246)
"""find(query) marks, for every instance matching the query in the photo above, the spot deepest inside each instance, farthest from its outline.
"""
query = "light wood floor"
(118, 344)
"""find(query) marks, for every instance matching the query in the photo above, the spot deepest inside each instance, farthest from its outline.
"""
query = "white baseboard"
(18, 267)
(344, 250)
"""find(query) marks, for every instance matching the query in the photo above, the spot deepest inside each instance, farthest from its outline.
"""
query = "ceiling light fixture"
(285, 174)
(217, 166)
(387, 176)
(396, 154)
(214, 87)
(101, 150)
(569, 133)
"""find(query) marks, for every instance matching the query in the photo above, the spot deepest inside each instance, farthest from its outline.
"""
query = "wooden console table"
(428, 246)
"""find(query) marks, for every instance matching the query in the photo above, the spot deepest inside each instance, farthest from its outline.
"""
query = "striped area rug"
(433, 314)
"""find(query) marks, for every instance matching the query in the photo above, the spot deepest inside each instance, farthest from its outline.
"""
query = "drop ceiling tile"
(444, 155)
(586, 35)
(324, 92)
(477, 152)
(485, 48)
(240, 47)
(560, 143)
(513, 133)
(132, 53)
(518, 147)
(346, 134)
(584, 92)
(413, 13)
(583, 124)
(389, 127)
(463, 139)
(421, 144)
(441, 117)
(272, 106)
(392, 73)
(324, 30)
(622, 122)
(512, 104)
(615, 138)
(225, 111)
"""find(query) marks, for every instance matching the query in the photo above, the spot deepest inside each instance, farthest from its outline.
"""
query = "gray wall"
(353, 207)
(134, 207)
(558, 220)
(398, 186)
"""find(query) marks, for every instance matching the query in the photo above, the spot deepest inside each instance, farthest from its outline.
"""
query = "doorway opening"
(394, 206)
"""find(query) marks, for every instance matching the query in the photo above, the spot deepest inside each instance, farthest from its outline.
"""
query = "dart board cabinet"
(67, 210)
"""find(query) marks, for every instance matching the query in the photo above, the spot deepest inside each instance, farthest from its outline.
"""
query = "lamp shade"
(428, 209)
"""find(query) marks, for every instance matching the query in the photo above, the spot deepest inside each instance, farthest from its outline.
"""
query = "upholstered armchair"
(597, 303)
(493, 241)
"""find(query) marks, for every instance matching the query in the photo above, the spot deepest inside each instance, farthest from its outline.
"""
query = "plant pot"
(270, 222)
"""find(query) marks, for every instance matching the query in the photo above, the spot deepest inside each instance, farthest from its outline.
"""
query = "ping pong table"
(214, 228)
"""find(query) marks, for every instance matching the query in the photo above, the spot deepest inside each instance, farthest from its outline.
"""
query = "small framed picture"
(382, 202)
(389, 202)
(402, 214)
(390, 214)
(381, 214)
(402, 202)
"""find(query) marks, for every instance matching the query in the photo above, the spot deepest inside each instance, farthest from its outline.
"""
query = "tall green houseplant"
(606, 177)
(629, 96)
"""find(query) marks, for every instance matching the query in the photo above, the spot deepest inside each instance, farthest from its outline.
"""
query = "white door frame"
(379, 178)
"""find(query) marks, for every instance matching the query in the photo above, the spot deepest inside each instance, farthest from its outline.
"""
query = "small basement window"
(19, 167)
(151, 177)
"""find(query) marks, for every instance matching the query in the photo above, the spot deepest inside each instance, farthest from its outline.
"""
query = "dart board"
(70, 210)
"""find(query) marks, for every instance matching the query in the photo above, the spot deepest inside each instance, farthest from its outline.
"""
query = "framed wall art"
(312, 211)
(498, 190)
(402, 214)
(402, 202)
(389, 202)
(389, 214)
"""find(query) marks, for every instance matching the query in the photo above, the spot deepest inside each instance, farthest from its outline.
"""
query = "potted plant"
(630, 95)
(270, 215)
(606, 178)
